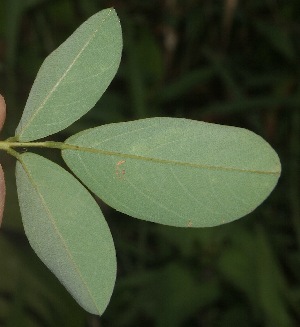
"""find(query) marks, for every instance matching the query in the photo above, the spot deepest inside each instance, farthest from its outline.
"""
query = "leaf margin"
(26, 133)
(21, 165)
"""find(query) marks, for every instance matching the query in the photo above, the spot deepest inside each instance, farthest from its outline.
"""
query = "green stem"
(7, 145)
(14, 153)
(11, 143)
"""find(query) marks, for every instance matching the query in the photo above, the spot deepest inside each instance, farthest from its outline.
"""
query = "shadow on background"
(229, 62)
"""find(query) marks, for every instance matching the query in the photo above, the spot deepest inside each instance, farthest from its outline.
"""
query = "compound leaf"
(67, 230)
(73, 77)
(177, 172)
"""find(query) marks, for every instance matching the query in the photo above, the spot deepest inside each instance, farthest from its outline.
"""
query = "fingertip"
(2, 193)
(2, 111)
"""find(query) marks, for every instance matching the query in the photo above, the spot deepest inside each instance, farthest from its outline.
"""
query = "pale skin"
(2, 181)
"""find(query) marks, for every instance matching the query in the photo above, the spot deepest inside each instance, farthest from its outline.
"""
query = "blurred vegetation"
(230, 62)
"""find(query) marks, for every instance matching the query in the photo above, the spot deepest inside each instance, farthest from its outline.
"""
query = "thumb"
(2, 193)
(2, 111)
(2, 181)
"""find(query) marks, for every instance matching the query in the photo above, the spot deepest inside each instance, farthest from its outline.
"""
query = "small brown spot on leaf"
(120, 162)
(190, 224)
(120, 173)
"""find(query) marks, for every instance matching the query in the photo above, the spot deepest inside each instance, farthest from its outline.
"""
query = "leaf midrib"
(167, 161)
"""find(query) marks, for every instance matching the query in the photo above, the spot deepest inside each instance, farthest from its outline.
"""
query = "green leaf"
(177, 172)
(67, 230)
(73, 77)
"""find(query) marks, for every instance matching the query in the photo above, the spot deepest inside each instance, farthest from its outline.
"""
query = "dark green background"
(205, 60)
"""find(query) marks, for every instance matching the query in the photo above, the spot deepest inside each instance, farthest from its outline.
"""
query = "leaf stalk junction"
(10, 144)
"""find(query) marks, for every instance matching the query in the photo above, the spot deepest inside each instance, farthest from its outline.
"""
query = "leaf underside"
(73, 77)
(67, 230)
(173, 171)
